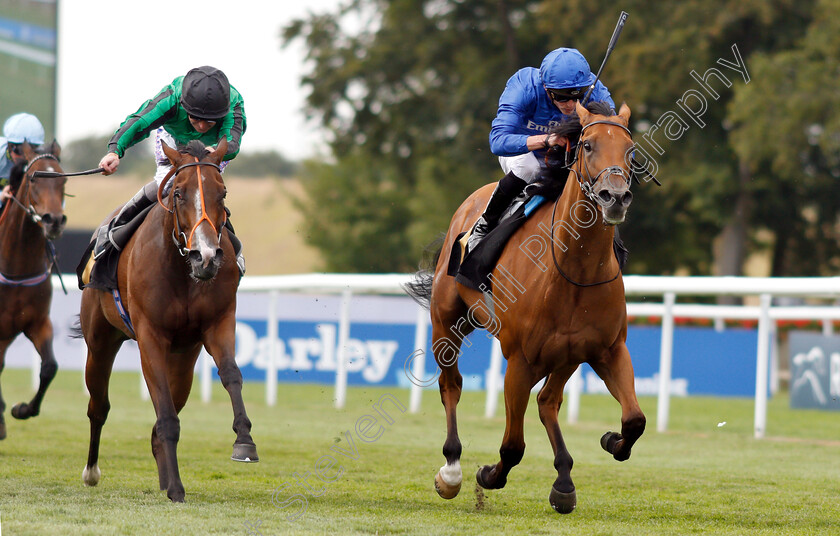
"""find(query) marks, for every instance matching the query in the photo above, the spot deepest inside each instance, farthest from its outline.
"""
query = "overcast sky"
(114, 55)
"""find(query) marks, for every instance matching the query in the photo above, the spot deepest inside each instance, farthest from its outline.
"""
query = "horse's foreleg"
(617, 373)
(42, 338)
(562, 497)
(220, 343)
(519, 379)
(449, 477)
(3, 345)
(153, 358)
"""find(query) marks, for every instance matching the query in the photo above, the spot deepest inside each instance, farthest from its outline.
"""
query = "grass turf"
(698, 478)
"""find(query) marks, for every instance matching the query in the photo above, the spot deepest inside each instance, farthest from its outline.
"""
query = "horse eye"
(587, 146)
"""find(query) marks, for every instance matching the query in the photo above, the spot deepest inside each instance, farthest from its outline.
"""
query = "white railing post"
(206, 364)
(575, 384)
(493, 379)
(341, 353)
(36, 369)
(144, 389)
(666, 354)
(418, 365)
(271, 366)
(762, 358)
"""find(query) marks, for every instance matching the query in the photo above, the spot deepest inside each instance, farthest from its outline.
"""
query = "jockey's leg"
(110, 232)
(236, 243)
(506, 191)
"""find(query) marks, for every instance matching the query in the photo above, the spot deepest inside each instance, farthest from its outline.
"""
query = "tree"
(414, 95)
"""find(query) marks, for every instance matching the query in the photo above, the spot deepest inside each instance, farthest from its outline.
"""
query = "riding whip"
(618, 27)
(57, 174)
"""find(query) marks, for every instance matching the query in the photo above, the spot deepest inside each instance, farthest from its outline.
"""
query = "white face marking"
(205, 244)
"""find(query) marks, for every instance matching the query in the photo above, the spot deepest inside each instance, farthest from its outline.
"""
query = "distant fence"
(666, 288)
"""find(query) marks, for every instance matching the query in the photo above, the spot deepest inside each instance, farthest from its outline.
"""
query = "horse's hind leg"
(3, 346)
(617, 373)
(220, 343)
(42, 338)
(519, 379)
(103, 342)
(449, 323)
(562, 497)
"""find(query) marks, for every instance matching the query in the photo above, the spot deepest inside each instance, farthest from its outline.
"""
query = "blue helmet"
(565, 68)
(23, 127)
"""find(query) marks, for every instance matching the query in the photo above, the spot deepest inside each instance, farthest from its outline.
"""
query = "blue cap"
(23, 127)
(565, 68)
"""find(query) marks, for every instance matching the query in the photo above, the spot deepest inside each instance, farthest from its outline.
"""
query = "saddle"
(474, 268)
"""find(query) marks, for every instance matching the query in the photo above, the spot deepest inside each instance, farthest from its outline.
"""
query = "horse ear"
(624, 113)
(28, 151)
(55, 148)
(221, 150)
(170, 153)
(583, 114)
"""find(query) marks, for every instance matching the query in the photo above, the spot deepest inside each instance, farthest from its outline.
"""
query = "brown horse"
(33, 216)
(557, 301)
(178, 296)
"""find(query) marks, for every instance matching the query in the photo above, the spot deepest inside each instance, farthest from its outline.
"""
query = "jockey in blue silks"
(534, 101)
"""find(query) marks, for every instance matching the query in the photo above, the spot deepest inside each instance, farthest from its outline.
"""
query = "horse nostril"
(606, 197)
(627, 198)
(47, 219)
(194, 256)
(63, 220)
(219, 255)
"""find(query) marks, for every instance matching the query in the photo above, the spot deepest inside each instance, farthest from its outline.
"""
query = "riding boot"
(236, 243)
(506, 191)
(108, 235)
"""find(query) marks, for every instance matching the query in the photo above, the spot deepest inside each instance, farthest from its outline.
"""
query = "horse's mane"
(553, 179)
(16, 176)
(195, 148)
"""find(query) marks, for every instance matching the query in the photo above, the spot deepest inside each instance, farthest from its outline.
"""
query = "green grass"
(698, 478)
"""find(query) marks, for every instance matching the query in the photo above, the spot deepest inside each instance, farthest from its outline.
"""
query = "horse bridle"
(30, 209)
(586, 188)
(177, 234)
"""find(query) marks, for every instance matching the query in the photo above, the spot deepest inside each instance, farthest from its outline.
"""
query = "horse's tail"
(420, 288)
(76, 329)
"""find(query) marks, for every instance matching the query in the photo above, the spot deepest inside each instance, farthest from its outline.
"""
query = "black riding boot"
(506, 191)
(117, 232)
(236, 243)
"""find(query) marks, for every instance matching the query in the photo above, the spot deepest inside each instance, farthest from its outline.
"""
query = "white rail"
(669, 287)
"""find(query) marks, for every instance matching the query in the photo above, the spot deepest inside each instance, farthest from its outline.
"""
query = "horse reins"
(586, 188)
(176, 231)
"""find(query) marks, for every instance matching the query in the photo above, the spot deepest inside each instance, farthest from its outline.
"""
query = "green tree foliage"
(413, 96)
(787, 126)
(263, 164)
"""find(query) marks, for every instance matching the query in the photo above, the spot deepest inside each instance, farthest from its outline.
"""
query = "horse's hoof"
(563, 503)
(445, 490)
(482, 477)
(2, 431)
(91, 475)
(609, 442)
(177, 496)
(242, 452)
(22, 411)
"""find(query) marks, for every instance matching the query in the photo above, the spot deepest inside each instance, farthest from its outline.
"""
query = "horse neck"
(22, 241)
(583, 243)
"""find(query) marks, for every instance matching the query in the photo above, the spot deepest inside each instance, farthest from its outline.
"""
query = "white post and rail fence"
(666, 288)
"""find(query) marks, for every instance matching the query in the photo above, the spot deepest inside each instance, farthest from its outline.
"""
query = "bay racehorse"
(177, 285)
(557, 301)
(31, 218)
